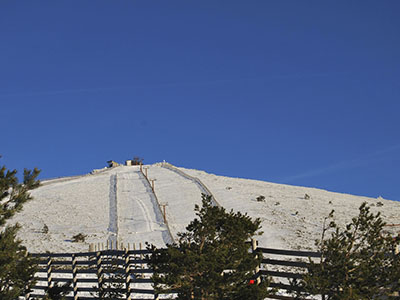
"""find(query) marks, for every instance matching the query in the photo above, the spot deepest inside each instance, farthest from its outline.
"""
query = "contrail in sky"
(357, 162)
(162, 85)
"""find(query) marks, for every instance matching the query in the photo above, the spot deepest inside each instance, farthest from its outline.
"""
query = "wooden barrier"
(289, 265)
(91, 272)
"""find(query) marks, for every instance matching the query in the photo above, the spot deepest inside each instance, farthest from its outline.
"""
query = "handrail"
(196, 180)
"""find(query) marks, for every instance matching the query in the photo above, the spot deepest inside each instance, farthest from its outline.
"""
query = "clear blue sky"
(298, 92)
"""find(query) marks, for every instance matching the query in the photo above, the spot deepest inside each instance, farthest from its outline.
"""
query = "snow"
(118, 204)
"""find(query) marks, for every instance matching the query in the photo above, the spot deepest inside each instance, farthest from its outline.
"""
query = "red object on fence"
(252, 281)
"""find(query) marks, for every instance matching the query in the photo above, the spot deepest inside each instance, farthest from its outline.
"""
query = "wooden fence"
(127, 270)
(282, 266)
(90, 272)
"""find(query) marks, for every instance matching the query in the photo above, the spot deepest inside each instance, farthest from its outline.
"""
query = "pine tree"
(359, 262)
(16, 266)
(212, 259)
(57, 291)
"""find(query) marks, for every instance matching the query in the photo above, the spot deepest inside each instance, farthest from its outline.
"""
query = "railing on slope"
(157, 201)
(47, 181)
(196, 180)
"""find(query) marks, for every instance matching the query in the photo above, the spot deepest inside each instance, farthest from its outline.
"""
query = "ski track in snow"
(139, 217)
(149, 222)
(113, 210)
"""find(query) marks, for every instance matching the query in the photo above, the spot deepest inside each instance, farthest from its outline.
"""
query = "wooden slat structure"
(282, 266)
(89, 272)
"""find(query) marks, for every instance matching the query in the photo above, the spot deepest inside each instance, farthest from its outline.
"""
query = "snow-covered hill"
(118, 204)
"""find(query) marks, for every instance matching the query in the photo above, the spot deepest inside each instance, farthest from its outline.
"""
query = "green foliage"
(260, 198)
(137, 161)
(16, 266)
(45, 229)
(57, 292)
(358, 262)
(14, 194)
(79, 238)
(211, 260)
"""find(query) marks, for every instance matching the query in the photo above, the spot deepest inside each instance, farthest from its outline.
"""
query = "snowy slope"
(290, 221)
(118, 204)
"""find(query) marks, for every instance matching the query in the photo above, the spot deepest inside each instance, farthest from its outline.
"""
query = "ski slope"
(118, 204)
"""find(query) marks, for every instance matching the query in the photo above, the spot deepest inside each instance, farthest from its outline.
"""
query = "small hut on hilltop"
(112, 164)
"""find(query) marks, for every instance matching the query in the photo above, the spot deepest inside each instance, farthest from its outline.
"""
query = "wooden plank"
(283, 286)
(86, 289)
(64, 279)
(289, 252)
(139, 251)
(127, 275)
(280, 297)
(48, 272)
(39, 296)
(58, 271)
(79, 254)
(86, 263)
(39, 287)
(88, 271)
(133, 260)
(51, 255)
(141, 271)
(60, 262)
(114, 261)
(99, 270)
(74, 278)
(253, 250)
(141, 280)
(93, 271)
(142, 291)
(281, 274)
(288, 263)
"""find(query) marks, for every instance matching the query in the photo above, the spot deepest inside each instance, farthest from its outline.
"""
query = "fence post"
(152, 184)
(49, 267)
(74, 277)
(254, 249)
(135, 258)
(141, 257)
(99, 272)
(127, 275)
(28, 291)
(163, 205)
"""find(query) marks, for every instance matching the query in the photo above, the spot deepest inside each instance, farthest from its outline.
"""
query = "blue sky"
(298, 92)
